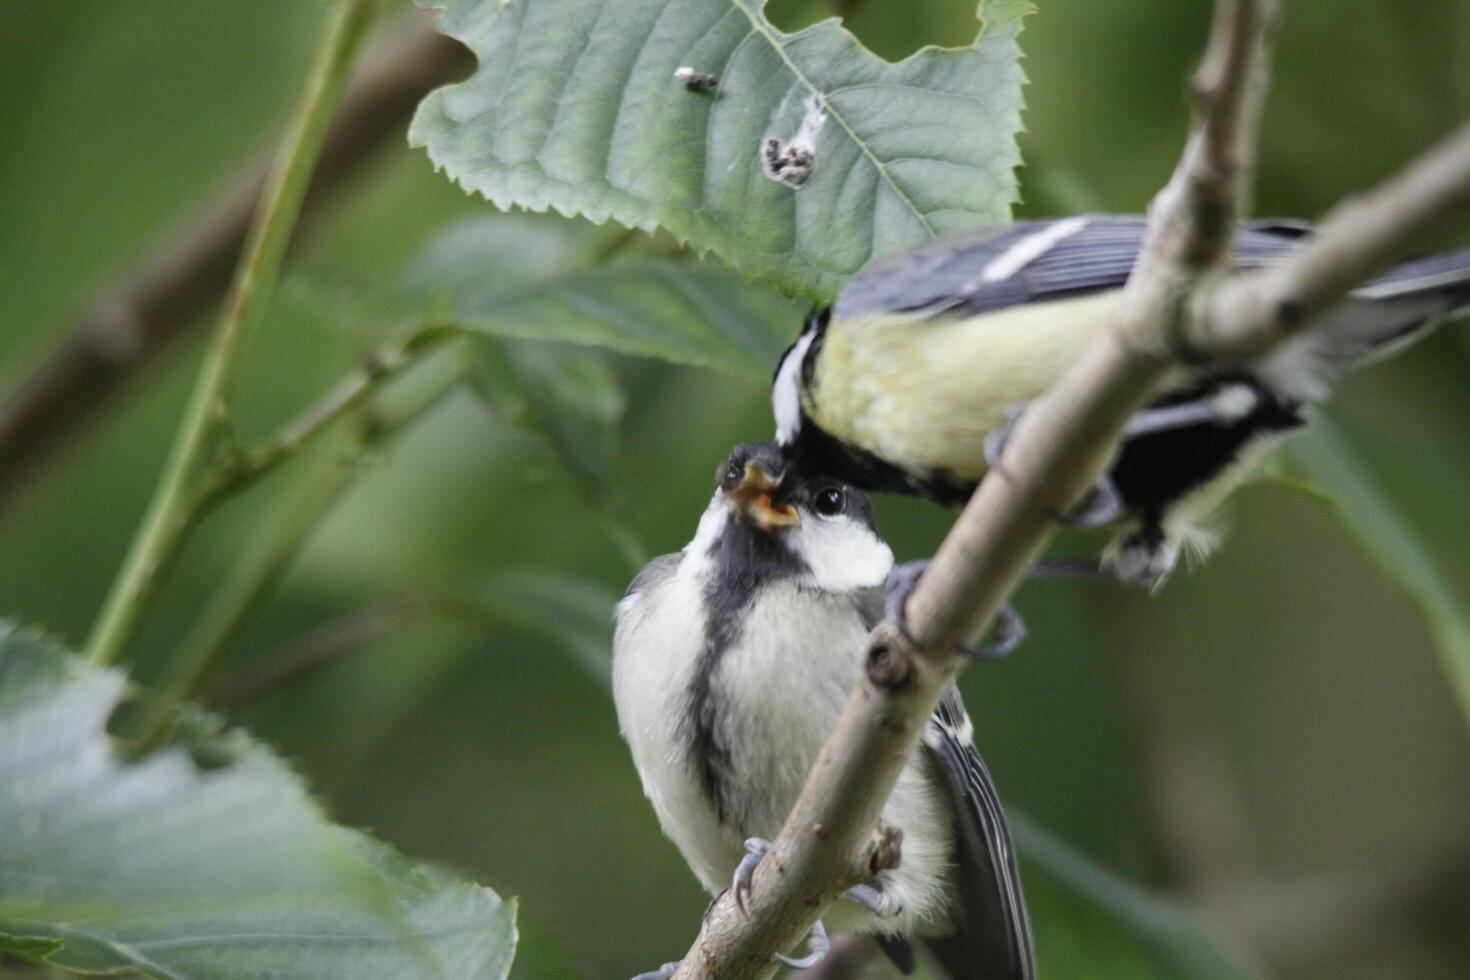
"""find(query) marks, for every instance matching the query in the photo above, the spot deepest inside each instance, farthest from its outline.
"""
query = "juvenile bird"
(903, 382)
(732, 661)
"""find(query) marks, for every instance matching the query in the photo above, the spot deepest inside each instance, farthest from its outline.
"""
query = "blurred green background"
(1271, 738)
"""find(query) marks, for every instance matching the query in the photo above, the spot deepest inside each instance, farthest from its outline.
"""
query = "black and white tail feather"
(992, 936)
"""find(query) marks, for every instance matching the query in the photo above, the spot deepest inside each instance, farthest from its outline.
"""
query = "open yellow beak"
(751, 501)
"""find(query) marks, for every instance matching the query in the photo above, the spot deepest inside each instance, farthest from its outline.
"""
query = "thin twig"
(1358, 238)
(309, 653)
(254, 576)
(131, 322)
(390, 360)
(204, 428)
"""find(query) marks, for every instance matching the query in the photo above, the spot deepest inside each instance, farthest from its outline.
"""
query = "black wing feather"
(992, 938)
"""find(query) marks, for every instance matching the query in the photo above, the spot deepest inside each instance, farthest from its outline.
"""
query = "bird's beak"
(751, 501)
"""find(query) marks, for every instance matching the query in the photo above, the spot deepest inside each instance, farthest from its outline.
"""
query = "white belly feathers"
(772, 724)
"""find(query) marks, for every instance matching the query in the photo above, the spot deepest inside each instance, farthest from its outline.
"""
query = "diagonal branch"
(136, 319)
(1062, 444)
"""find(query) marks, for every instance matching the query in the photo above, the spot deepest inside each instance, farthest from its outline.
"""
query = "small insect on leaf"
(692, 79)
(792, 163)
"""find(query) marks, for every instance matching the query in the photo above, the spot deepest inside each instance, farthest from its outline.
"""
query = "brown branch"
(1064, 440)
(133, 321)
(1060, 447)
(1357, 239)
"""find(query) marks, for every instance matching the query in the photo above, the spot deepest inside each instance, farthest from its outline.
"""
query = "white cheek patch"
(842, 554)
(786, 392)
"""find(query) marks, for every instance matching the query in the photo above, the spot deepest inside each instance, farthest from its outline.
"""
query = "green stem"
(205, 425)
(252, 579)
(248, 466)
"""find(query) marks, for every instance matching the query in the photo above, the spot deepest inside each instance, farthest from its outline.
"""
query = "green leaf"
(679, 312)
(573, 613)
(1374, 523)
(687, 314)
(1091, 923)
(568, 397)
(572, 401)
(206, 859)
(35, 948)
(575, 106)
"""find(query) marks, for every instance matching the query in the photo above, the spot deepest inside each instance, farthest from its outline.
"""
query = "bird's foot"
(1010, 629)
(1070, 568)
(1102, 505)
(1229, 403)
(1127, 565)
(873, 898)
(817, 946)
(662, 973)
(995, 441)
(755, 849)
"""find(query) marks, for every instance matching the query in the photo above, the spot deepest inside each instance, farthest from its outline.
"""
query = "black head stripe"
(743, 559)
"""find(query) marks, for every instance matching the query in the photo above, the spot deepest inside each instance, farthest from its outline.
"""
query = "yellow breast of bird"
(923, 395)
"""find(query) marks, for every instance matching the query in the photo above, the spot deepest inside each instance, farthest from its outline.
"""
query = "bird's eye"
(732, 474)
(829, 501)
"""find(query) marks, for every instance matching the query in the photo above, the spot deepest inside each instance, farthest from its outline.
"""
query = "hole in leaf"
(123, 721)
(891, 30)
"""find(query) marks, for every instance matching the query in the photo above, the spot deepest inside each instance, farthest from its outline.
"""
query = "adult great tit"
(900, 383)
(732, 661)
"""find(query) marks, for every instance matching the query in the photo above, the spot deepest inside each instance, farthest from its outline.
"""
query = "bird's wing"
(869, 604)
(992, 938)
(655, 573)
(651, 576)
(1030, 261)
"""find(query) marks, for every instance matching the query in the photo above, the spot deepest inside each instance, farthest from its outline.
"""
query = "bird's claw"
(740, 882)
(1102, 506)
(1009, 633)
(817, 946)
(872, 898)
(1010, 628)
(817, 942)
(662, 973)
(995, 441)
